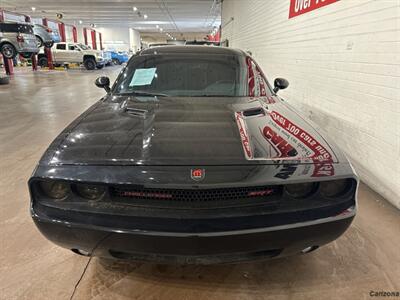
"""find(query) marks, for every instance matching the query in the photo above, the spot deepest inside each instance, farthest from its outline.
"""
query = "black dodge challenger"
(191, 157)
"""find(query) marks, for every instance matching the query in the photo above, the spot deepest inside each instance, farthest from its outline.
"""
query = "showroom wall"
(114, 38)
(134, 40)
(342, 62)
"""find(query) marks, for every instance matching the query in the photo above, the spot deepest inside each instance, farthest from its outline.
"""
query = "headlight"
(54, 189)
(334, 188)
(90, 191)
(300, 190)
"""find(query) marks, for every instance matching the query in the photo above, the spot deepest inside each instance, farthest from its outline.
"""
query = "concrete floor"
(34, 108)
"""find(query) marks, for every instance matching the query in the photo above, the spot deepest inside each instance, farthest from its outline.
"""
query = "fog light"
(334, 188)
(54, 189)
(90, 191)
(300, 190)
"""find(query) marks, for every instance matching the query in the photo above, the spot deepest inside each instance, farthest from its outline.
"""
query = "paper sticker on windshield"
(143, 76)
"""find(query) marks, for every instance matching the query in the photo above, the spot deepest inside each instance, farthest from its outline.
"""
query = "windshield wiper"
(143, 93)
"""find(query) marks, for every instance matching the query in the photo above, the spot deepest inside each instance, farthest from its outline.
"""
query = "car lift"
(63, 37)
(61, 30)
(8, 63)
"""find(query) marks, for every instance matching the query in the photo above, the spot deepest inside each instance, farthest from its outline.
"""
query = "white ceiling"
(175, 16)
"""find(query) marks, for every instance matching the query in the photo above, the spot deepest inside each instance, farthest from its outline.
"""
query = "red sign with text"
(299, 7)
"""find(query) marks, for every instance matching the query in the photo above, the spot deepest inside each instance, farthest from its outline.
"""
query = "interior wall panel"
(343, 65)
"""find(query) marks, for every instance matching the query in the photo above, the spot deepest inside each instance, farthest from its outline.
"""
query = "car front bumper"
(195, 248)
(100, 61)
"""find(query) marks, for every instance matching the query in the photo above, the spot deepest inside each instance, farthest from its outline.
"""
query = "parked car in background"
(192, 157)
(107, 58)
(118, 57)
(66, 53)
(44, 36)
(17, 38)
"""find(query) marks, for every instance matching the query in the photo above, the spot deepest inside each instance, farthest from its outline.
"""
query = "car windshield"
(83, 47)
(184, 75)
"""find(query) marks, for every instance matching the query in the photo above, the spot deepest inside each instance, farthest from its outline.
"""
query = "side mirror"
(280, 84)
(103, 82)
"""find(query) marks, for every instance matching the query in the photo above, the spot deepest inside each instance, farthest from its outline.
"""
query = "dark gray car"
(17, 38)
(192, 157)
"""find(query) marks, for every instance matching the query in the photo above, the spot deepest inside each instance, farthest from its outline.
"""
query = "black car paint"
(128, 130)
(155, 142)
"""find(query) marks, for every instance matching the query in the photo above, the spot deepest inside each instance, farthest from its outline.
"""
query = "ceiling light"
(134, 8)
(145, 16)
(80, 22)
(157, 26)
(161, 29)
(33, 8)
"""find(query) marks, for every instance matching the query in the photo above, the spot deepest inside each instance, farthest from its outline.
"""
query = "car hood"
(196, 131)
(93, 52)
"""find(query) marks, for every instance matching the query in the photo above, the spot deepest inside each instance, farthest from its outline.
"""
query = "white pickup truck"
(66, 53)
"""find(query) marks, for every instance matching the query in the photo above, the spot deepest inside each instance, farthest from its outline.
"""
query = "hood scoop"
(142, 113)
(257, 111)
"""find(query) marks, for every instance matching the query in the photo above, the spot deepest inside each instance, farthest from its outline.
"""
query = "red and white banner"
(299, 7)
(320, 152)
(321, 156)
(244, 136)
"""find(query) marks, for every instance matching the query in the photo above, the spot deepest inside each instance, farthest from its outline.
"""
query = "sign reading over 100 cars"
(299, 7)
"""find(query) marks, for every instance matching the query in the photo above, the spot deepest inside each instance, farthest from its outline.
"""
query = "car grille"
(220, 197)
(190, 195)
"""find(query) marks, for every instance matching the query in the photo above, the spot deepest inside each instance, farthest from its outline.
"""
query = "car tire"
(90, 64)
(8, 51)
(99, 67)
(49, 44)
(43, 62)
(4, 79)
(39, 41)
(116, 61)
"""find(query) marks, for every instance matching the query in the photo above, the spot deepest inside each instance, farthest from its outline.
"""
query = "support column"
(47, 51)
(94, 44)
(85, 36)
(74, 34)
(101, 41)
(61, 29)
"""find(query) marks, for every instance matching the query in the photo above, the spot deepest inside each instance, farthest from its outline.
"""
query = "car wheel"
(90, 64)
(39, 41)
(116, 61)
(8, 51)
(43, 62)
(49, 44)
(100, 67)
